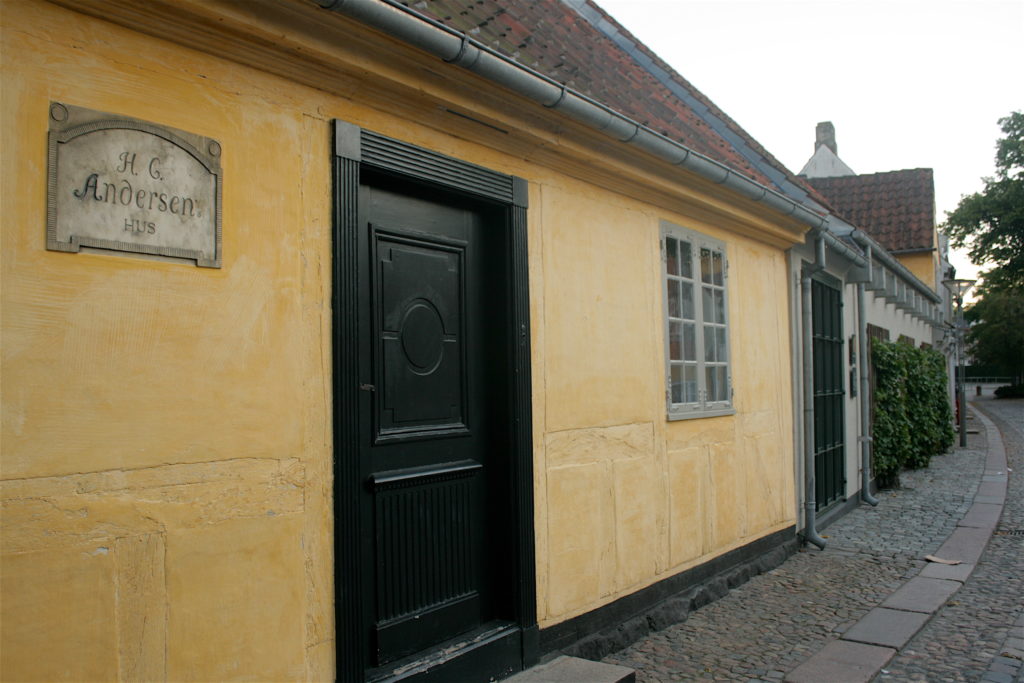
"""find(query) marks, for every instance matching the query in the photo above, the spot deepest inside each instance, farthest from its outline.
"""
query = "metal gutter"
(455, 47)
(720, 126)
(890, 262)
(845, 250)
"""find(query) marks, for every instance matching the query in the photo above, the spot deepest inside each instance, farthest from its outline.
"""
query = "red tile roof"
(896, 208)
(554, 39)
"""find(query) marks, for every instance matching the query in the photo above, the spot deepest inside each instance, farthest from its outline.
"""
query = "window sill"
(697, 414)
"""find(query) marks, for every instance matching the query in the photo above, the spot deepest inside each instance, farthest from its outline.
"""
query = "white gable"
(825, 164)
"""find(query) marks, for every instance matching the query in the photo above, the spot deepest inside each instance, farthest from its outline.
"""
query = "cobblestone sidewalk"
(765, 628)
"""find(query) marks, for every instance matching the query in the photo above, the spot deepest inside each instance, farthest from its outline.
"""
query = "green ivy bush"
(913, 419)
(891, 427)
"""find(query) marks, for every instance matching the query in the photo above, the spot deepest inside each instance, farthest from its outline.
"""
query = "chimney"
(825, 134)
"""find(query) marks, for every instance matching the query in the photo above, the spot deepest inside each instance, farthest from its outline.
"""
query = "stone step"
(566, 669)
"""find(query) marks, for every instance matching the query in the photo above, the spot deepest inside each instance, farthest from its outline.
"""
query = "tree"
(996, 335)
(991, 222)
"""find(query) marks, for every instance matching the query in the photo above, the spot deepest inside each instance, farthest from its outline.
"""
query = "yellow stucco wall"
(166, 433)
(923, 266)
(625, 496)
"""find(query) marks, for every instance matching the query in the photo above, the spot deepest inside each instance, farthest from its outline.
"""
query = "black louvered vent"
(410, 160)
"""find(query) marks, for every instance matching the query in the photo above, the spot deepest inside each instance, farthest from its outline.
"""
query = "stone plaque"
(128, 185)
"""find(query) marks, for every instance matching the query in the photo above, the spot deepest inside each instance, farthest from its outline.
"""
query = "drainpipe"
(810, 529)
(865, 409)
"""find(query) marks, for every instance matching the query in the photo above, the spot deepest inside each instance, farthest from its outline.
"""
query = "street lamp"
(959, 288)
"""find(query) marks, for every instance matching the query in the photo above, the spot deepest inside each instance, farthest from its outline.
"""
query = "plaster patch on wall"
(598, 444)
(581, 520)
(764, 481)
(92, 508)
(640, 499)
(125, 517)
(728, 494)
(701, 432)
(141, 604)
(689, 481)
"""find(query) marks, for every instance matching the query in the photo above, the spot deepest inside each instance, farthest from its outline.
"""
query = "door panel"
(427, 578)
(421, 330)
(434, 361)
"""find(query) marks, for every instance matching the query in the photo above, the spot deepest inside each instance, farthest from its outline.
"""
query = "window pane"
(711, 383)
(671, 257)
(675, 309)
(689, 341)
(690, 383)
(685, 260)
(720, 344)
(675, 343)
(676, 383)
(719, 271)
(723, 383)
(709, 344)
(719, 305)
(688, 300)
(707, 304)
(705, 265)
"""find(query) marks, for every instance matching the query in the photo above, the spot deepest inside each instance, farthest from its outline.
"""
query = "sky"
(907, 83)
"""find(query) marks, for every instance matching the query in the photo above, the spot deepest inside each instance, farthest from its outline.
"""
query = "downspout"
(866, 439)
(810, 502)
(455, 47)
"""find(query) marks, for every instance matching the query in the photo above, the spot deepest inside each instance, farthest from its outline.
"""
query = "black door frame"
(355, 147)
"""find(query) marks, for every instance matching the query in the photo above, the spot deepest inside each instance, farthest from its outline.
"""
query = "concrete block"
(572, 670)
(951, 572)
(842, 662)
(886, 627)
(982, 516)
(965, 544)
(997, 677)
(922, 594)
(991, 489)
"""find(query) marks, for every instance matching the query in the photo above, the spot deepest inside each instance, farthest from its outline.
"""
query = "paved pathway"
(768, 627)
(969, 639)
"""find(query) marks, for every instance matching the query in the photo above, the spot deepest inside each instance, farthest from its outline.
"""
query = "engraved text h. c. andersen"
(143, 193)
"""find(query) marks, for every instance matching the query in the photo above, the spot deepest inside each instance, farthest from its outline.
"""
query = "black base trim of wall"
(614, 626)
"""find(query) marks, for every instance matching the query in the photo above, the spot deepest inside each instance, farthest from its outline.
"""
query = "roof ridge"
(759, 152)
(877, 173)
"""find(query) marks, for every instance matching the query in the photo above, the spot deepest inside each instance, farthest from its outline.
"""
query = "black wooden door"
(433, 363)
(829, 428)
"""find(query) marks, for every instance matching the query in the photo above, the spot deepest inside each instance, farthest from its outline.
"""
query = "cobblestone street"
(767, 627)
(967, 639)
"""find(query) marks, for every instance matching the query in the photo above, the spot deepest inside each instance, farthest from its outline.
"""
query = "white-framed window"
(698, 381)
